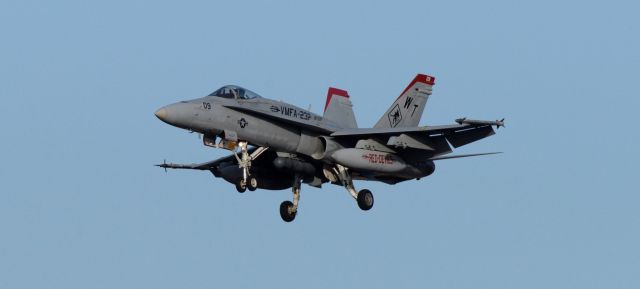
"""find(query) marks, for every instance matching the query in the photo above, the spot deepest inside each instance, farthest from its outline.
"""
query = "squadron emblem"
(395, 116)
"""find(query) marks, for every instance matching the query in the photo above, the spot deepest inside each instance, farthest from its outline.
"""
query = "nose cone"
(178, 114)
(162, 114)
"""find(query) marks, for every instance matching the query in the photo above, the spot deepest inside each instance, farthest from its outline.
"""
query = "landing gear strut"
(288, 209)
(363, 197)
(244, 162)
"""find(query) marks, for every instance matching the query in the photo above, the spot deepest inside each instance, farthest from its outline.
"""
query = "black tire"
(285, 211)
(365, 200)
(252, 181)
(240, 187)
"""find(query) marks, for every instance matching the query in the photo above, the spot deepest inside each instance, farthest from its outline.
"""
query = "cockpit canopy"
(234, 92)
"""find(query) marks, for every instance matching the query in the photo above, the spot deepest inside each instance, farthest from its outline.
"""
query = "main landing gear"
(363, 197)
(244, 162)
(365, 200)
(288, 209)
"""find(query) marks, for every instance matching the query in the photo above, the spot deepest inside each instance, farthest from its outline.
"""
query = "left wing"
(435, 139)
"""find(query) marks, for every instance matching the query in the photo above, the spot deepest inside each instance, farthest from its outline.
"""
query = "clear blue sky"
(81, 205)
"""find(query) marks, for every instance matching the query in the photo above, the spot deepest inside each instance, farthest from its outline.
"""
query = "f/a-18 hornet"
(277, 145)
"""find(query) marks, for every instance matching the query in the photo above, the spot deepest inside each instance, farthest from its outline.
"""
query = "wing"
(207, 166)
(212, 166)
(201, 166)
(215, 165)
(432, 139)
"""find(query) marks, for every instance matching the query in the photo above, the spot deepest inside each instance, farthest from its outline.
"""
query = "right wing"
(212, 166)
(201, 166)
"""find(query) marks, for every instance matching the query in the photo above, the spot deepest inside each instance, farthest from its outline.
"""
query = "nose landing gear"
(244, 162)
(242, 185)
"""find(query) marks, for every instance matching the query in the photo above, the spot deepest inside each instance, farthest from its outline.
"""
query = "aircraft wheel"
(241, 187)
(286, 211)
(365, 200)
(253, 184)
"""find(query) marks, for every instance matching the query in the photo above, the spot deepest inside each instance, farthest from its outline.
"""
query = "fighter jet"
(276, 145)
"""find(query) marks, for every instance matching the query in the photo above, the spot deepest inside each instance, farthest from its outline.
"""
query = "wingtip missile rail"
(497, 123)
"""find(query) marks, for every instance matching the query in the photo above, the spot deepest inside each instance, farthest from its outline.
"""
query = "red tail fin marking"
(334, 91)
(426, 79)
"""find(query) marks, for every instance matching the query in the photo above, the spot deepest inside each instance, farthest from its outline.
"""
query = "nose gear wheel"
(244, 163)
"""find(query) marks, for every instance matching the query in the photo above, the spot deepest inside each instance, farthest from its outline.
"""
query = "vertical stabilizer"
(339, 109)
(407, 110)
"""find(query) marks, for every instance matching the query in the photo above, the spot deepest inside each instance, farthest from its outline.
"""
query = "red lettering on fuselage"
(375, 158)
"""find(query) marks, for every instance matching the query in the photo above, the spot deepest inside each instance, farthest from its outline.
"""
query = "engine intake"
(328, 147)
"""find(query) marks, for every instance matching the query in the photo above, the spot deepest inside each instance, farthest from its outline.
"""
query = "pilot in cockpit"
(234, 92)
